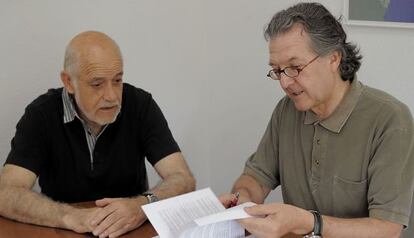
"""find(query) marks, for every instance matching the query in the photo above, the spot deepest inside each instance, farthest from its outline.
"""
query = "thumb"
(103, 202)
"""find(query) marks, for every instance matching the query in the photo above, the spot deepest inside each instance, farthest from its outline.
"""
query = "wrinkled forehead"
(98, 53)
(294, 43)
(99, 62)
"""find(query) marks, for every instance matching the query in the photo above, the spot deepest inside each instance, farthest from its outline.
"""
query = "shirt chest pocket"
(350, 198)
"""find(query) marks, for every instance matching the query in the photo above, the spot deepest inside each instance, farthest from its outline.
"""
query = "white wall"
(204, 61)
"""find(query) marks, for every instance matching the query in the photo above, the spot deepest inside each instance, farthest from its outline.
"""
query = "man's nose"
(286, 81)
(109, 93)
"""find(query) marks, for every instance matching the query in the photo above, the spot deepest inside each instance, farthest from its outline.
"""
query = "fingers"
(226, 199)
(101, 215)
(104, 202)
(119, 232)
(255, 226)
(262, 227)
(123, 228)
(276, 219)
(117, 226)
(263, 209)
(120, 216)
(117, 217)
(80, 220)
(105, 224)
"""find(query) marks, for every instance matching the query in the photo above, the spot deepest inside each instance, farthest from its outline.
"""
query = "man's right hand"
(79, 219)
(118, 216)
(228, 199)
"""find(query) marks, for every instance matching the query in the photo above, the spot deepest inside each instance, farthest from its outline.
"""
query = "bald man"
(88, 141)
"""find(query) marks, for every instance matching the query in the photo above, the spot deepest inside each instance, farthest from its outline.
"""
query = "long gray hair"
(325, 31)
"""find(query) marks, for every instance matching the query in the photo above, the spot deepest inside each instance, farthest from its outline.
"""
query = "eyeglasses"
(291, 72)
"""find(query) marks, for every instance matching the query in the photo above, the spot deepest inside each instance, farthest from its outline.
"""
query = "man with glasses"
(342, 152)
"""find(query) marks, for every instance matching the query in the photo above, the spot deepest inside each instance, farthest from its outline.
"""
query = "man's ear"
(67, 82)
(335, 60)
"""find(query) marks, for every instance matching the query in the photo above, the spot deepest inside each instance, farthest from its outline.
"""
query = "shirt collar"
(337, 120)
(69, 111)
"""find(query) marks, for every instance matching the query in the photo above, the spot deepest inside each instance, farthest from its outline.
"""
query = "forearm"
(174, 184)
(360, 227)
(27, 206)
(250, 189)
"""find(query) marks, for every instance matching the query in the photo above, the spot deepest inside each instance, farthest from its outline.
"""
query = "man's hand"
(80, 219)
(228, 199)
(118, 216)
(275, 220)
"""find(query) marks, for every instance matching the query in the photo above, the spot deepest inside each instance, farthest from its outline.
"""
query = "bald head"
(87, 47)
(92, 74)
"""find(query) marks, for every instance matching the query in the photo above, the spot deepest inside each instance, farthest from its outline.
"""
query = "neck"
(324, 110)
(96, 129)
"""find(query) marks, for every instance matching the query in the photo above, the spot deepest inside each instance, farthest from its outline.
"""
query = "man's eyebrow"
(271, 64)
(95, 79)
(103, 78)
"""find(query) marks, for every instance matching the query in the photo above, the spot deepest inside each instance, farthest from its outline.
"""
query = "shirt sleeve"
(157, 137)
(264, 164)
(390, 172)
(28, 145)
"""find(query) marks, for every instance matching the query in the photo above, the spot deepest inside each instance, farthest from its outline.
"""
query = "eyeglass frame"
(298, 69)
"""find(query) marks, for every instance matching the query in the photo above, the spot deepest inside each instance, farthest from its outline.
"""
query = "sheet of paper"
(226, 229)
(170, 217)
(233, 213)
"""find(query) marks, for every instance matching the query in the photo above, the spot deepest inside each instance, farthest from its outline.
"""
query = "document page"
(233, 213)
(225, 229)
(177, 216)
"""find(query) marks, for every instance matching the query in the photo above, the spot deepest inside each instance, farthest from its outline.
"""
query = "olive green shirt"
(358, 162)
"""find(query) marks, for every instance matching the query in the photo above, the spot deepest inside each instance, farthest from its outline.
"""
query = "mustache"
(110, 104)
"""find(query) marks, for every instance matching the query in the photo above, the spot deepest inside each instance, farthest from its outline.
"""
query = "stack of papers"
(197, 214)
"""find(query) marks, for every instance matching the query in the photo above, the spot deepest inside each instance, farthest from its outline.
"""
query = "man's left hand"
(118, 216)
(277, 220)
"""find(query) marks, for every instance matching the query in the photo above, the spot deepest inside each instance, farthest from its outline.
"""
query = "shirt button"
(318, 141)
(317, 162)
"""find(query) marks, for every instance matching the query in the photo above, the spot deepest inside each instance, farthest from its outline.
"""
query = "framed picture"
(392, 13)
